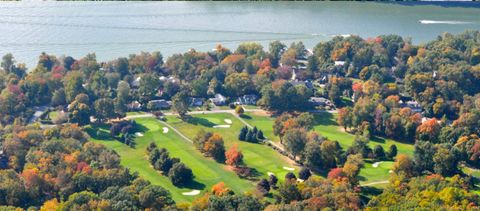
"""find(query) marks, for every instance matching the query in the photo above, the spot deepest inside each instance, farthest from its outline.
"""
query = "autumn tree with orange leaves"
(220, 189)
(429, 130)
(234, 157)
(215, 147)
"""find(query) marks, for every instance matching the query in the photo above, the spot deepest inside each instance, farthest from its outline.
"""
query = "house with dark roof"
(134, 106)
(247, 100)
(159, 104)
(218, 100)
(136, 82)
(306, 83)
(320, 101)
(196, 102)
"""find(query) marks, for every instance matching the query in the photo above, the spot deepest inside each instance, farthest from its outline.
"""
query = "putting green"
(376, 176)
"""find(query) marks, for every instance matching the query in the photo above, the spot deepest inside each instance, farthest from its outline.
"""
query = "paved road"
(145, 115)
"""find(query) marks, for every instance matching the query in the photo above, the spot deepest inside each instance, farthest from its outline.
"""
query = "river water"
(115, 29)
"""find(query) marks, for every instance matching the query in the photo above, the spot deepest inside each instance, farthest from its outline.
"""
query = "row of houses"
(218, 100)
(321, 101)
(136, 83)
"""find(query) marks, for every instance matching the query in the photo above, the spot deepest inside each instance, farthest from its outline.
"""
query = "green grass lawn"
(471, 171)
(207, 172)
(264, 123)
(371, 174)
(53, 114)
(131, 113)
(257, 156)
(328, 127)
(251, 106)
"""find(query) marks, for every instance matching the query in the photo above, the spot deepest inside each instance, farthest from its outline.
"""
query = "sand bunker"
(221, 126)
(390, 171)
(165, 129)
(138, 134)
(270, 174)
(375, 165)
(191, 193)
(300, 180)
(228, 121)
(288, 168)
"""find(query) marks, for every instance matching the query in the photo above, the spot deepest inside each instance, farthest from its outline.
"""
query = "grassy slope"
(207, 172)
(328, 127)
(53, 114)
(258, 156)
(369, 174)
(263, 123)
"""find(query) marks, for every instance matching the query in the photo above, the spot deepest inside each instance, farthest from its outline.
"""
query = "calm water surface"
(115, 29)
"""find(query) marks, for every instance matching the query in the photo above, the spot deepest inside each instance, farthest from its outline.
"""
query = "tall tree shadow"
(245, 116)
(377, 139)
(140, 128)
(324, 118)
(200, 121)
(193, 185)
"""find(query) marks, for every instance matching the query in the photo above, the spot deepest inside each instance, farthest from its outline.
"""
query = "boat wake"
(443, 22)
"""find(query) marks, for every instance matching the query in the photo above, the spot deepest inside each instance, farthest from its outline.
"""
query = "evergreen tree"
(304, 173)
(392, 152)
(249, 136)
(260, 135)
(272, 180)
(378, 152)
(243, 134)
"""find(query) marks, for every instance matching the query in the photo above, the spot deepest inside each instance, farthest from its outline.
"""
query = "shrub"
(290, 176)
(244, 172)
(239, 110)
(378, 152)
(263, 186)
(272, 180)
(304, 174)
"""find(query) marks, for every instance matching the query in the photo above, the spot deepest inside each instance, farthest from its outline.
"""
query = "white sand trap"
(390, 171)
(288, 168)
(375, 165)
(300, 180)
(165, 129)
(228, 121)
(138, 134)
(221, 126)
(191, 193)
(270, 174)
